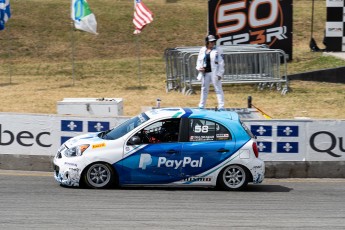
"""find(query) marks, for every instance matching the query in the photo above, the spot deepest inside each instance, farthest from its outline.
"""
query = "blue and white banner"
(71, 126)
(5, 12)
(264, 146)
(287, 131)
(97, 126)
(261, 130)
(277, 140)
(42, 134)
(287, 147)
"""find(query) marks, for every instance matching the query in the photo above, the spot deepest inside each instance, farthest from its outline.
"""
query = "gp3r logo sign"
(252, 22)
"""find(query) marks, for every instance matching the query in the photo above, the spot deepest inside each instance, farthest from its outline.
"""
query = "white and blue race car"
(167, 146)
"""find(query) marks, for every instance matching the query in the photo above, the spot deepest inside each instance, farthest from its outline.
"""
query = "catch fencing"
(254, 64)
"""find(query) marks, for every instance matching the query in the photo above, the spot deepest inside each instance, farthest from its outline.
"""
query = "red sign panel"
(252, 22)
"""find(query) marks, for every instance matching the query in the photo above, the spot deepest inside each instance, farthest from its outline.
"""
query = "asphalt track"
(33, 200)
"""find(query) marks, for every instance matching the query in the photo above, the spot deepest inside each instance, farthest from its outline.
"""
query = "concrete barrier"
(291, 148)
(305, 169)
(26, 162)
(276, 169)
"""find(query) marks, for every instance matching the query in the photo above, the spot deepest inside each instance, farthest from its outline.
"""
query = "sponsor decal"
(146, 160)
(71, 164)
(223, 136)
(252, 22)
(192, 179)
(179, 163)
(335, 29)
(257, 21)
(100, 145)
(23, 138)
(201, 138)
(327, 147)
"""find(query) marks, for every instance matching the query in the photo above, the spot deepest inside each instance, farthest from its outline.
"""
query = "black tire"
(99, 175)
(233, 178)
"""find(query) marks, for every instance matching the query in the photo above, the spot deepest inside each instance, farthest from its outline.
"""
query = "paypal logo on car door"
(152, 164)
(146, 159)
(169, 162)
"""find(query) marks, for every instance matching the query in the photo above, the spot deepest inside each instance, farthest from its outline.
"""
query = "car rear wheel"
(233, 177)
(99, 175)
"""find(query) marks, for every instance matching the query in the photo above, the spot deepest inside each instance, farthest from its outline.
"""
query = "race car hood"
(82, 139)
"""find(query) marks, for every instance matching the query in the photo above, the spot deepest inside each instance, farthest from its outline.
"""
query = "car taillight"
(255, 149)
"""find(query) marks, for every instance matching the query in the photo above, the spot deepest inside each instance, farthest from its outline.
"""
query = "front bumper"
(67, 171)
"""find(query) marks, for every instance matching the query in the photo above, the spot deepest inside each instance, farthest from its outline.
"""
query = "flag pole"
(139, 60)
(5, 15)
(72, 44)
(9, 54)
(138, 54)
(142, 17)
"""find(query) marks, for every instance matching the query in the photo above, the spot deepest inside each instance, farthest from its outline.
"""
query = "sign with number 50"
(252, 22)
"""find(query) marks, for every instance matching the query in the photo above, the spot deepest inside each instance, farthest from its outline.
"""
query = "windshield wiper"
(104, 134)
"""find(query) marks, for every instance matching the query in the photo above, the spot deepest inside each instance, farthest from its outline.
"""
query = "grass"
(36, 59)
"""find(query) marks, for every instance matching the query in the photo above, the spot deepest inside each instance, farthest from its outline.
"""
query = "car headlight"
(76, 151)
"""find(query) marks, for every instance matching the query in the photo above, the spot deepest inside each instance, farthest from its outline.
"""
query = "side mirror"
(135, 140)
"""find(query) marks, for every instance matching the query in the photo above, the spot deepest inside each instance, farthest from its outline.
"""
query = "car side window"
(160, 132)
(204, 130)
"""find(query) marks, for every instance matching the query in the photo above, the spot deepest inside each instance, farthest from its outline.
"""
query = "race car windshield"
(126, 127)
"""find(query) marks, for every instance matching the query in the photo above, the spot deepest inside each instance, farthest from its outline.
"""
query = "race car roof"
(192, 113)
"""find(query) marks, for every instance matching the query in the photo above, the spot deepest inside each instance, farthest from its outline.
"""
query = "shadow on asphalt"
(249, 188)
(267, 188)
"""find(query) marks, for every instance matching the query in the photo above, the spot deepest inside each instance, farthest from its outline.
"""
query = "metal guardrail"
(254, 64)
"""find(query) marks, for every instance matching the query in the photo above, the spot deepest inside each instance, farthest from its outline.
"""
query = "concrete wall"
(290, 148)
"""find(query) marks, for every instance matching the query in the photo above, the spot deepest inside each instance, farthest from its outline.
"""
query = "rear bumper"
(258, 171)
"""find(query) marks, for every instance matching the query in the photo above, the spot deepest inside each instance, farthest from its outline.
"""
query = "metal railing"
(254, 64)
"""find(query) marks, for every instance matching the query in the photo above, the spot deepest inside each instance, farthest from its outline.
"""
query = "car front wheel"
(233, 177)
(99, 175)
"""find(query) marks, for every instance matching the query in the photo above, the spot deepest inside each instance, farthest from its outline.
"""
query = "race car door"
(209, 143)
(157, 158)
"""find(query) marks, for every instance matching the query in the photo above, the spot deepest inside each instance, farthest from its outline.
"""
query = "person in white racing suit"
(210, 65)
